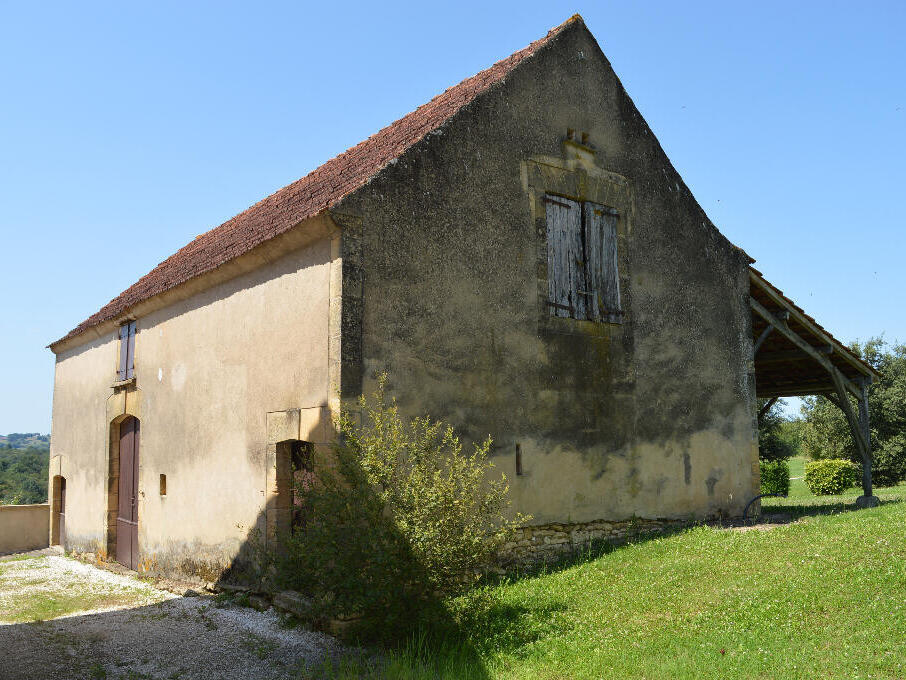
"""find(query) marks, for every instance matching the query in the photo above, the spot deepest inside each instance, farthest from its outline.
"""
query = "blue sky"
(126, 129)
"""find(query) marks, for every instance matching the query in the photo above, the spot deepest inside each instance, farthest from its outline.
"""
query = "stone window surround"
(576, 176)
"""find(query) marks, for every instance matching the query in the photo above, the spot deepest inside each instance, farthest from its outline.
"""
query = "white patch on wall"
(179, 376)
(160, 374)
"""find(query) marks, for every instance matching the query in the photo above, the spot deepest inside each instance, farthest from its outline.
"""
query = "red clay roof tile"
(320, 189)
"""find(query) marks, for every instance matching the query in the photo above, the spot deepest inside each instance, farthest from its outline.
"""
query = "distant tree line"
(823, 433)
(25, 440)
(826, 433)
(23, 475)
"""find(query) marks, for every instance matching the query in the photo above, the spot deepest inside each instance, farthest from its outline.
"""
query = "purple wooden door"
(127, 513)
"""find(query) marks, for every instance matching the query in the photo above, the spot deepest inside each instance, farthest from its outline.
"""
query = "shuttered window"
(600, 225)
(564, 257)
(583, 278)
(127, 352)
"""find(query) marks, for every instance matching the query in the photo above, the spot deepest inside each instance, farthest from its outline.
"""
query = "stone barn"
(521, 257)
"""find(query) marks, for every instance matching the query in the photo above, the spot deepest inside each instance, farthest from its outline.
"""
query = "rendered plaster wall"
(209, 368)
(23, 527)
(445, 287)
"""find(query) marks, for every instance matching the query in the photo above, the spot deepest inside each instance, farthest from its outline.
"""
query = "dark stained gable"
(319, 190)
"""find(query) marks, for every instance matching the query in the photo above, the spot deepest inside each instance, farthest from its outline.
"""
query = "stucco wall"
(209, 368)
(446, 249)
(23, 527)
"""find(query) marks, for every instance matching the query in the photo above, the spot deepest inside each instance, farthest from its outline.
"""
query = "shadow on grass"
(439, 650)
(795, 509)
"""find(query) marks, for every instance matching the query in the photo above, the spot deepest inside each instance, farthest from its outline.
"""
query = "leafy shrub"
(399, 519)
(775, 477)
(830, 477)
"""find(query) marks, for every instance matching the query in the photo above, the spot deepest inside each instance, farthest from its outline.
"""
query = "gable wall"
(444, 282)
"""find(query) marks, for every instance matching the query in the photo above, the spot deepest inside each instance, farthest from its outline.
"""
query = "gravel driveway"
(128, 629)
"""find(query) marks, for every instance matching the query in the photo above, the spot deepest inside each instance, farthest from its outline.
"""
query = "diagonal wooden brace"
(810, 350)
(855, 426)
(767, 407)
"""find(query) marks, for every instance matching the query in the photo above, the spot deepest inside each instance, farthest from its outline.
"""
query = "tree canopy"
(23, 476)
(825, 433)
(778, 437)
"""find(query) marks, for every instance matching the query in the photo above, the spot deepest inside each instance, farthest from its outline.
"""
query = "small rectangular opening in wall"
(163, 485)
(519, 471)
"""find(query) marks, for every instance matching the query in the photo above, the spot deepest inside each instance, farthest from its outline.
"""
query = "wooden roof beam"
(782, 328)
(782, 356)
(806, 323)
(783, 392)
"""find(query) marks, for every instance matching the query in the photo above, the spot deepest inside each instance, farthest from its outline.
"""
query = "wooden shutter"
(124, 350)
(565, 257)
(601, 254)
(130, 351)
(127, 352)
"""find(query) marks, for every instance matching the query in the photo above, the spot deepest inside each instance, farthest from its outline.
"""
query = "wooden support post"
(866, 434)
(767, 407)
(856, 427)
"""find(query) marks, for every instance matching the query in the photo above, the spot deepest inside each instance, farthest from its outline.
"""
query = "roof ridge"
(320, 189)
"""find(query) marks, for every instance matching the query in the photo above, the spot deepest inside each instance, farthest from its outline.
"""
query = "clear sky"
(126, 129)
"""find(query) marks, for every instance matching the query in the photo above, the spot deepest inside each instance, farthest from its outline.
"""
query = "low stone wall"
(549, 542)
(24, 527)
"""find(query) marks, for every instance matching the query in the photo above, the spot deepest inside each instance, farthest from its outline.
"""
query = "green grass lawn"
(824, 597)
(801, 501)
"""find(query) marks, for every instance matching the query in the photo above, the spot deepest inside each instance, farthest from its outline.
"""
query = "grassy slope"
(821, 598)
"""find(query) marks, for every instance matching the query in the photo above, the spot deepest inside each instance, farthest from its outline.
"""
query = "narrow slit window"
(519, 471)
(163, 485)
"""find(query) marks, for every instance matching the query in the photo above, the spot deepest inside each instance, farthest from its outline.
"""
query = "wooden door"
(61, 518)
(127, 512)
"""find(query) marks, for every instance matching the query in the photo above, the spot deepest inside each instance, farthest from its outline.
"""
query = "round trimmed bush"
(830, 477)
(775, 477)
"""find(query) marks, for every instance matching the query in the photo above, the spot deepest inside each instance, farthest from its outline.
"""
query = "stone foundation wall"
(548, 542)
